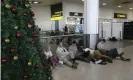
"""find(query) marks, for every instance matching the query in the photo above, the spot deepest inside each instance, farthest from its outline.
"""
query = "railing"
(51, 40)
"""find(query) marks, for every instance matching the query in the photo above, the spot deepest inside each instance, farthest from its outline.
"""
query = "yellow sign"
(121, 16)
(57, 16)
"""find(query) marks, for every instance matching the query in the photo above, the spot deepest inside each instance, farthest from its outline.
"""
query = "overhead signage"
(56, 12)
(76, 14)
(120, 15)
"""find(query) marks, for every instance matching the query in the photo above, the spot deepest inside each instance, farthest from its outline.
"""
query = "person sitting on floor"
(65, 56)
(52, 59)
(78, 55)
(95, 56)
(113, 53)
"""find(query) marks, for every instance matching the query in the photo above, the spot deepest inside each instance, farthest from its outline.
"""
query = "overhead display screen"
(56, 12)
(120, 15)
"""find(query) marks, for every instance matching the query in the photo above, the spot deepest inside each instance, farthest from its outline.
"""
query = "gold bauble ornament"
(27, 5)
(29, 63)
(7, 40)
(7, 6)
(16, 27)
(15, 57)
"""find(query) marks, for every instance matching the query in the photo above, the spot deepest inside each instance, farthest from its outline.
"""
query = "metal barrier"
(51, 40)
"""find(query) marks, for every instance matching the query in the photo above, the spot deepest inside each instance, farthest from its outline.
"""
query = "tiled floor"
(118, 70)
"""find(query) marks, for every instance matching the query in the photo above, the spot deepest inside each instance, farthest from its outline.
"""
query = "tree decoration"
(30, 25)
(35, 34)
(4, 60)
(14, 10)
(27, 5)
(15, 57)
(33, 42)
(25, 76)
(25, 14)
(7, 6)
(22, 51)
(7, 40)
(32, 13)
(12, 50)
(37, 66)
(16, 27)
(29, 63)
(19, 34)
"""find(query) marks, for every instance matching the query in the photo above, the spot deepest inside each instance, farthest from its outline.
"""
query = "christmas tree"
(21, 57)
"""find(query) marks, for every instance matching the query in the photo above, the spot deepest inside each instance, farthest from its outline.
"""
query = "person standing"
(65, 30)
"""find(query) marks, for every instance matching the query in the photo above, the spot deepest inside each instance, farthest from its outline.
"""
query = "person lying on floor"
(97, 57)
(78, 55)
(52, 59)
(113, 53)
(65, 56)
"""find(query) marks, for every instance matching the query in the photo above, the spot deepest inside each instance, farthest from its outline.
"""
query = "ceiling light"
(131, 8)
(36, 2)
(119, 6)
(82, 0)
(104, 4)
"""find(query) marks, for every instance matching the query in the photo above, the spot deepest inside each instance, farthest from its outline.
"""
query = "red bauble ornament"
(25, 14)
(37, 66)
(14, 10)
(33, 42)
(30, 25)
(19, 34)
(35, 34)
(4, 60)
(12, 50)
(25, 76)
(32, 13)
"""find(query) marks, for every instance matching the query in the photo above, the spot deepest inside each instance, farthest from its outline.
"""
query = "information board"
(56, 12)
(120, 15)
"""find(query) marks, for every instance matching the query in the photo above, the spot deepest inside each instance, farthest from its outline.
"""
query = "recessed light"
(131, 8)
(119, 6)
(104, 4)
(36, 2)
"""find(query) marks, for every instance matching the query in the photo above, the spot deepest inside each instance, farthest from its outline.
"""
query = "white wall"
(72, 7)
(103, 12)
(43, 15)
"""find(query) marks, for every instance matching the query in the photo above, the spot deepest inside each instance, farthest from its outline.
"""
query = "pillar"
(57, 27)
(91, 14)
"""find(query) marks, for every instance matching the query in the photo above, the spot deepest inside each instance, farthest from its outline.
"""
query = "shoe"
(103, 63)
(121, 54)
(74, 66)
(127, 59)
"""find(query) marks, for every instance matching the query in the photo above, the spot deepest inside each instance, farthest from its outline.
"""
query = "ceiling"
(110, 3)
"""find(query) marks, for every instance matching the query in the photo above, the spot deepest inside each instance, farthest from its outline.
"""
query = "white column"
(91, 14)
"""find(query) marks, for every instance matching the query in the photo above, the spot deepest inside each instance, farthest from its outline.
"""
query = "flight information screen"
(56, 12)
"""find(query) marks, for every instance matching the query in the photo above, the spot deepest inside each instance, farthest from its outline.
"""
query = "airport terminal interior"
(79, 39)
